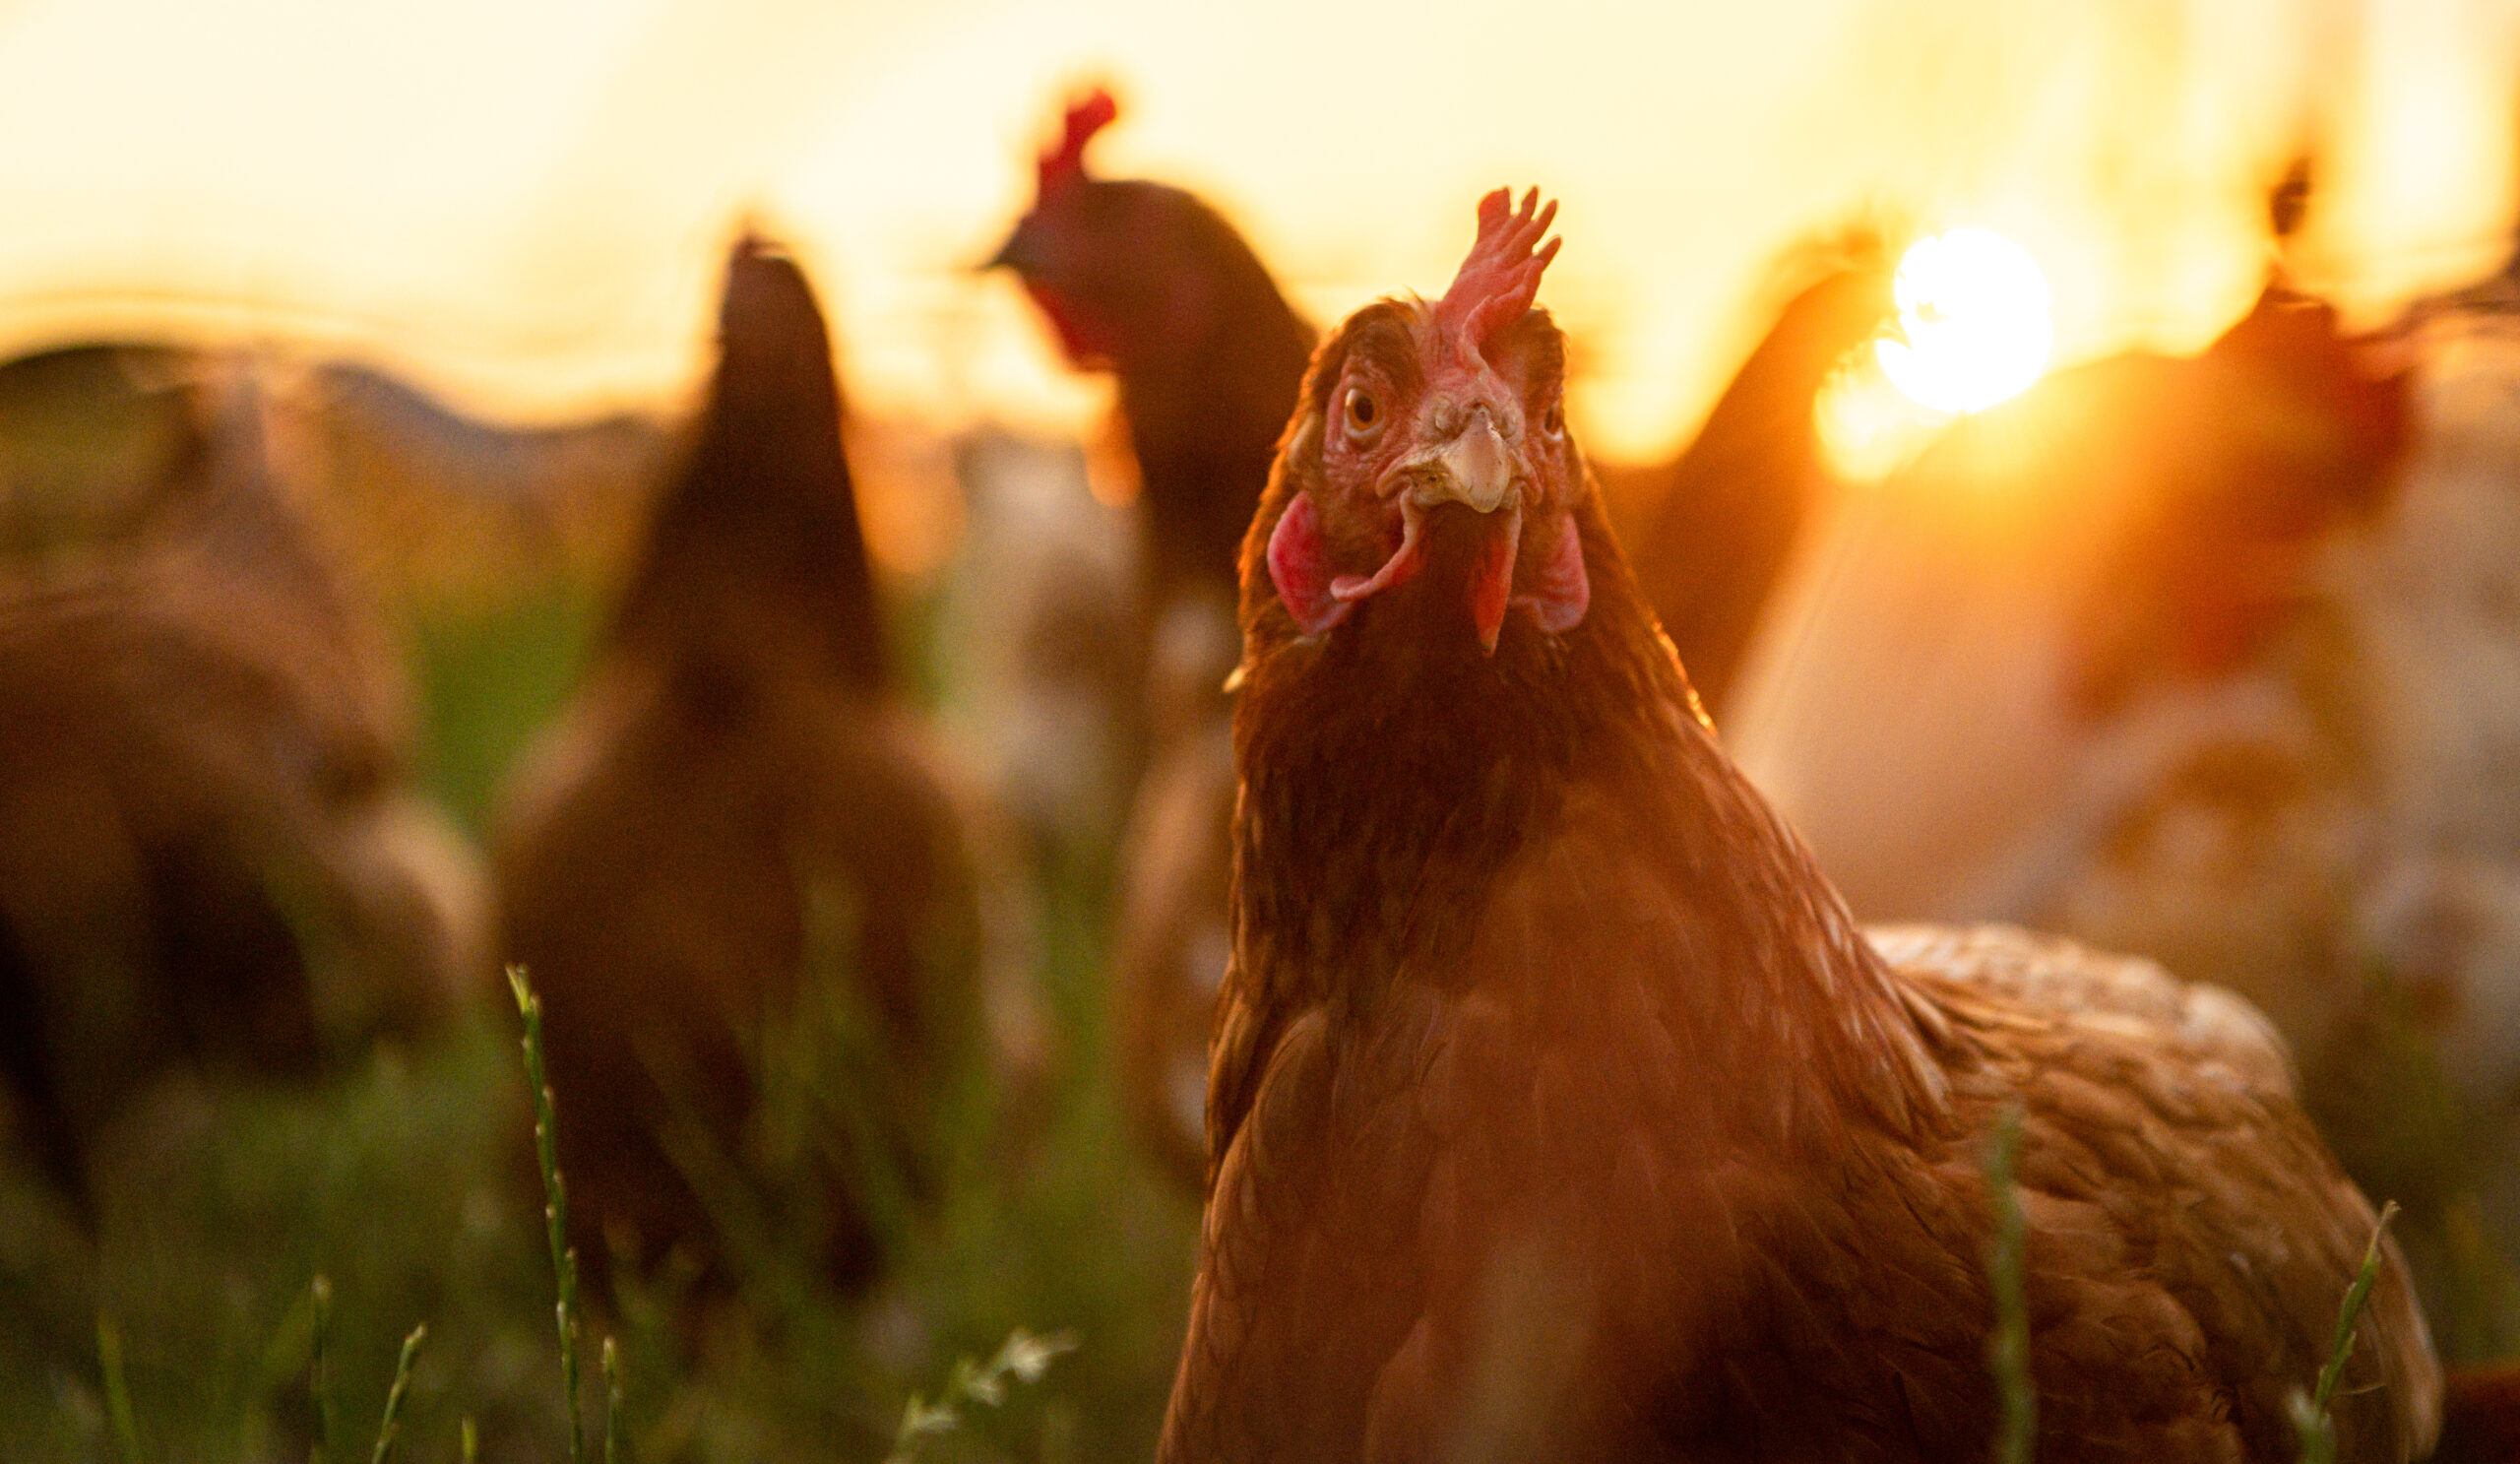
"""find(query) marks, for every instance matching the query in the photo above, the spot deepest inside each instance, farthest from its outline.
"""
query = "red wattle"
(1300, 569)
(1557, 589)
(1491, 582)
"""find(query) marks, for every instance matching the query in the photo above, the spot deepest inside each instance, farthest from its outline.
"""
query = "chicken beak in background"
(1015, 254)
(1477, 471)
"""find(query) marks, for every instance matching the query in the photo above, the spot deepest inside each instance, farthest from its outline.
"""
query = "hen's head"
(1430, 444)
(1125, 270)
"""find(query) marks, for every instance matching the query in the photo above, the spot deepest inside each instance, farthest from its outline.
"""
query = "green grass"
(410, 1188)
(555, 1208)
(2310, 1419)
(2008, 1350)
(490, 675)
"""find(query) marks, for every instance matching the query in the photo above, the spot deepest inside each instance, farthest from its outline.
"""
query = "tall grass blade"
(389, 1431)
(117, 1388)
(2341, 1346)
(2311, 1421)
(2008, 1353)
(319, 1370)
(612, 1403)
(555, 1207)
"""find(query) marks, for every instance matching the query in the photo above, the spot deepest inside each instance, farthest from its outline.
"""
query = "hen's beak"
(1478, 472)
(1478, 469)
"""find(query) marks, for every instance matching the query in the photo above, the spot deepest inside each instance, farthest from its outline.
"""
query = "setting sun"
(1975, 323)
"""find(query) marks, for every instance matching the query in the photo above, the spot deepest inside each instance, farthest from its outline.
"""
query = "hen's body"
(1558, 1110)
(1151, 283)
(210, 850)
(732, 869)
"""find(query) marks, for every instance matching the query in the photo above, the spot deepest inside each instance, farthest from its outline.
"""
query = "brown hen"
(1559, 1110)
(210, 849)
(1151, 284)
(734, 868)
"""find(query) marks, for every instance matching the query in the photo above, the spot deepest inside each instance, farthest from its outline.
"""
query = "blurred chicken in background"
(1149, 283)
(211, 852)
(2215, 659)
(1713, 529)
(734, 867)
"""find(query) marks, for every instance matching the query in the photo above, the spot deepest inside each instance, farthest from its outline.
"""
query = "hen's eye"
(1554, 421)
(1362, 412)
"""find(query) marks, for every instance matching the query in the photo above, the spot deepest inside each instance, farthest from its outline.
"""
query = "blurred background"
(360, 428)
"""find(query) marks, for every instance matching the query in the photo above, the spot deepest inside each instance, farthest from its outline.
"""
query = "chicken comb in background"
(732, 867)
(1151, 284)
(1087, 116)
(1560, 1110)
(211, 851)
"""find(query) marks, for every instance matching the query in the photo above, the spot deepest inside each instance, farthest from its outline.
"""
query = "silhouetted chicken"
(1723, 516)
(1146, 282)
(731, 867)
(1560, 1108)
(2210, 659)
(209, 852)
(1151, 283)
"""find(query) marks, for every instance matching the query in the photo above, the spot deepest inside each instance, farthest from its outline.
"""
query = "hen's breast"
(1484, 1208)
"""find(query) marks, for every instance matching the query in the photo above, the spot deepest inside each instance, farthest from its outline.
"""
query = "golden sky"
(520, 203)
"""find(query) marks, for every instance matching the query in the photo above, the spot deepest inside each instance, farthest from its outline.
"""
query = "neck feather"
(1391, 772)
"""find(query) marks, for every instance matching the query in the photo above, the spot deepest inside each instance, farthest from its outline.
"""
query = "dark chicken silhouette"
(1722, 519)
(1559, 1110)
(732, 869)
(2212, 660)
(211, 855)
(1146, 282)
(1149, 283)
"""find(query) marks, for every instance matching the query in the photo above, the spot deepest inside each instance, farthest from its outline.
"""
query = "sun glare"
(1973, 321)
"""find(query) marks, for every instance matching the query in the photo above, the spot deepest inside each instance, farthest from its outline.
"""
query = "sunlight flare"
(1974, 321)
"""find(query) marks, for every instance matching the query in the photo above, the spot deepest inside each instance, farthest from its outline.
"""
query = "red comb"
(1086, 116)
(1500, 278)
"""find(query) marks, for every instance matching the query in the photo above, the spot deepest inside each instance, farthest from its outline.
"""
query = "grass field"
(409, 1186)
